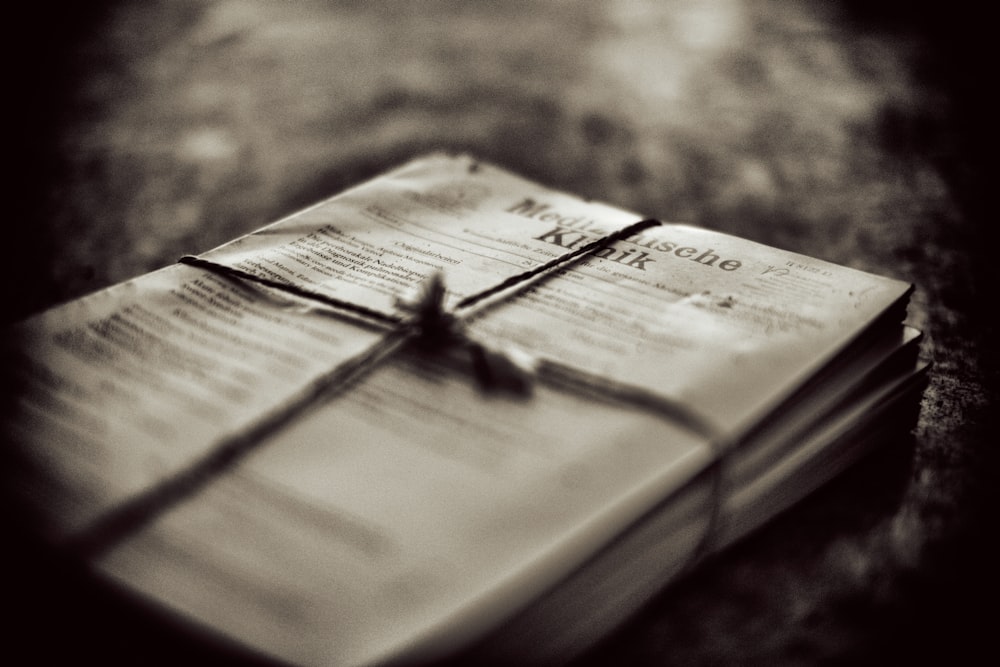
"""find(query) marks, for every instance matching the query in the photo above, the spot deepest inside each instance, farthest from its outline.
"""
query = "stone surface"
(848, 131)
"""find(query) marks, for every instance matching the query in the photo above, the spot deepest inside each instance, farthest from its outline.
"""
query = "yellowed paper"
(411, 511)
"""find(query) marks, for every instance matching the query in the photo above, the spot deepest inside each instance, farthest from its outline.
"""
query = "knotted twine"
(427, 323)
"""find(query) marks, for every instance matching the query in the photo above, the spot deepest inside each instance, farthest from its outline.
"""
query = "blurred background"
(852, 131)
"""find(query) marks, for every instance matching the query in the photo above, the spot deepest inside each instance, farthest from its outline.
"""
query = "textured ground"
(854, 132)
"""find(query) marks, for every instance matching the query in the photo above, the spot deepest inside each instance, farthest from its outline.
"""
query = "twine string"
(527, 276)
(428, 324)
(292, 288)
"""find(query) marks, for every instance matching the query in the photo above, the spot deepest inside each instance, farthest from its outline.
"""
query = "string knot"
(437, 329)
(434, 326)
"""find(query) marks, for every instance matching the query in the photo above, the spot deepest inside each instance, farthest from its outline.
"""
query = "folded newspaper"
(447, 412)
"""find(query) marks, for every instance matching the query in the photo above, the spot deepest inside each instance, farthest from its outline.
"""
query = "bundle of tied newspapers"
(447, 412)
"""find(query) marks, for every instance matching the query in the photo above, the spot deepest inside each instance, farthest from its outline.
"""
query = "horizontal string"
(611, 390)
(291, 288)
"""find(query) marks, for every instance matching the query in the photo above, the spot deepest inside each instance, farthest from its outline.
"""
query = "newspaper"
(410, 511)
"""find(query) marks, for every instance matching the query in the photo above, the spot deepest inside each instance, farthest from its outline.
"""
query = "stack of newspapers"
(449, 412)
